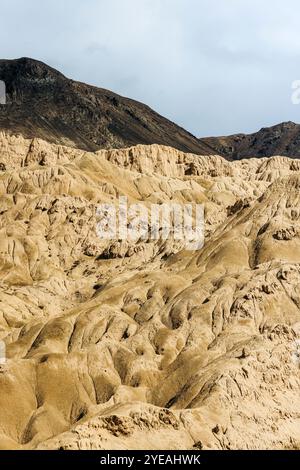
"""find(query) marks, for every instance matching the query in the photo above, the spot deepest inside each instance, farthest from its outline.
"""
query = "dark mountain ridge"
(42, 102)
(282, 139)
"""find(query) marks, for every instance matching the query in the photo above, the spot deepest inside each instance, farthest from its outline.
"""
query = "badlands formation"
(120, 345)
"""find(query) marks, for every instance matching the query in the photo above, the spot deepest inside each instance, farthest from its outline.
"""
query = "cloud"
(213, 66)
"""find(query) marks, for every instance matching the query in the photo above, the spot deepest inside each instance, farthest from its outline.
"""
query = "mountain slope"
(130, 344)
(43, 103)
(282, 139)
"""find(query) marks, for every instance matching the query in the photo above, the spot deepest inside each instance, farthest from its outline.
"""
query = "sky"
(215, 67)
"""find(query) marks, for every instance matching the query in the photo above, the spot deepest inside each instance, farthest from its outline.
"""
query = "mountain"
(282, 139)
(42, 102)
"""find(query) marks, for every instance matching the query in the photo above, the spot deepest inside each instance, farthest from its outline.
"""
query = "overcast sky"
(213, 66)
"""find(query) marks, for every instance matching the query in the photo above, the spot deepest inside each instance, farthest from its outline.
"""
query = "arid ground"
(146, 345)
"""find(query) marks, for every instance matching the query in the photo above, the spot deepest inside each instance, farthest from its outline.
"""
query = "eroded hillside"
(124, 345)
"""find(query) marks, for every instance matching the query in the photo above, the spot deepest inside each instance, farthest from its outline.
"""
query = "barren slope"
(146, 345)
(281, 139)
(41, 102)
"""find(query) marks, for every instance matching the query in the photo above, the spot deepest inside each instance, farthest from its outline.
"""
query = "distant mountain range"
(282, 139)
(42, 102)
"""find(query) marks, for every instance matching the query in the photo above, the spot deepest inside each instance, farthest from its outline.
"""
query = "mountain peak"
(26, 67)
(279, 139)
(42, 102)
(281, 125)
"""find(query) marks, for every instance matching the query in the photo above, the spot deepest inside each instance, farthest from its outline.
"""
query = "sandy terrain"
(124, 345)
